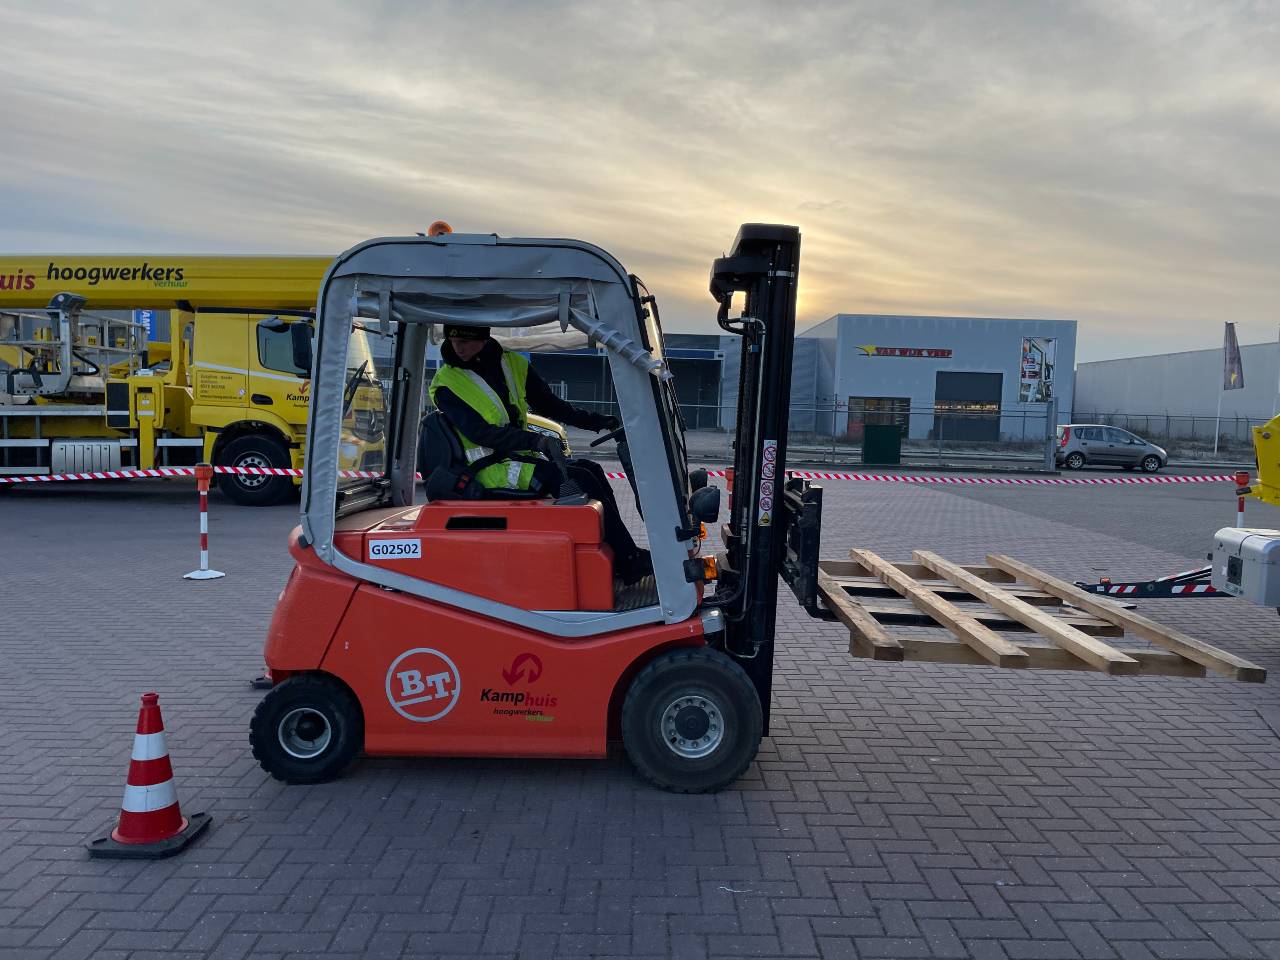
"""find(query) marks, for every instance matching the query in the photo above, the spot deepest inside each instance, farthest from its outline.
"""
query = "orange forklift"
(494, 625)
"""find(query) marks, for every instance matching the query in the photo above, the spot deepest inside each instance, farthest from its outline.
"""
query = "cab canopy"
(384, 300)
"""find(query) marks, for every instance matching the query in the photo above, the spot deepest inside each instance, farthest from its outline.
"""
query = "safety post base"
(108, 848)
(203, 575)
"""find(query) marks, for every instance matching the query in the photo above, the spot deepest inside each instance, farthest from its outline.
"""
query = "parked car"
(1083, 443)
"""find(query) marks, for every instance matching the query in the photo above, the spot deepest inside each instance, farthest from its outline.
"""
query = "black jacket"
(538, 396)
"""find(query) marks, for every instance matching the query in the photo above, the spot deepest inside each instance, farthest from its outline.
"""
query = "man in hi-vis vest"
(486, 394)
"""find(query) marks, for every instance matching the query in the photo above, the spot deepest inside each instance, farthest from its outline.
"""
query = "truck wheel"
(248, 489)
(691, 722)
(1075, 461)
(307, 729)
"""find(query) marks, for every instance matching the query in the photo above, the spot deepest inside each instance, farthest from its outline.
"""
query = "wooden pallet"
(989, 612)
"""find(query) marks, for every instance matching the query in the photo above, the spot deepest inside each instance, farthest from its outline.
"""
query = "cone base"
(107, 848)
(203, 575)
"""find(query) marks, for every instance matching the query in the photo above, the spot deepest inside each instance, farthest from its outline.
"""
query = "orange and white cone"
(151, 823)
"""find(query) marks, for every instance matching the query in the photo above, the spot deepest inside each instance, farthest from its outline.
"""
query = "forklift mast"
(774, 524)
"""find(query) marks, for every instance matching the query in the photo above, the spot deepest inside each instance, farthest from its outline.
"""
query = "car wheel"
(307, 729)
(1075, 461)
(1151, 463)
(254, 490)
(691, 722)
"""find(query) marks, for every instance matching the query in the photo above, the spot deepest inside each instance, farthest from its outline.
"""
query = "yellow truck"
(84, 391)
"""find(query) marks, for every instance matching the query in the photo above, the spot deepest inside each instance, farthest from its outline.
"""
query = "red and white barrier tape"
(999, 480)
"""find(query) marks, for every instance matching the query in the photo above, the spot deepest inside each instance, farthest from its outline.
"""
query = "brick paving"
(897, 811)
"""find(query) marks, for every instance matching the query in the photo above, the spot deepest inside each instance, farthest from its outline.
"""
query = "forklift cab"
(404, 291)
(493, 627)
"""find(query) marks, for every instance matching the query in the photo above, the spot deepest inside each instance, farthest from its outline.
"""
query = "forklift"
(494, 625)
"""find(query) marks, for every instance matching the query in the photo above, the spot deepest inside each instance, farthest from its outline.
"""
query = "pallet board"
(1006, 613)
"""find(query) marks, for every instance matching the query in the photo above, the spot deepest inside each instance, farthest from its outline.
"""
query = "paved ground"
(897, 811)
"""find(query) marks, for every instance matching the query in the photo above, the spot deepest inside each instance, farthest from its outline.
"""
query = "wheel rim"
(1075, 461)
(304, 733)
(1151, 464)
(692, 726)
(249, 480)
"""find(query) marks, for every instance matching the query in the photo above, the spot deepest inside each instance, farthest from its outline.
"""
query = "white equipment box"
(1246, 563)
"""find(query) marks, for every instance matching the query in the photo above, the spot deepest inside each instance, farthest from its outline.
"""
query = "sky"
(1115, 162)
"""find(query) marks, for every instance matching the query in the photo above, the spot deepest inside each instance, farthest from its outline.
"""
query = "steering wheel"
(618, 434)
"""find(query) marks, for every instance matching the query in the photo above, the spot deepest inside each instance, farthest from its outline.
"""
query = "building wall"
(1178, 385)
(976, 345)
(805, 367)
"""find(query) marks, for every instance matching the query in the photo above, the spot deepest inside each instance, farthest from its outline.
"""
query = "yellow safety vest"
(471, 388)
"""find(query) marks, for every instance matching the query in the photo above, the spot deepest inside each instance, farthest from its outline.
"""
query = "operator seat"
(440, 453)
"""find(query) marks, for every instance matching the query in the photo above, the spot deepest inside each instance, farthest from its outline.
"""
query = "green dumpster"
(881, 443)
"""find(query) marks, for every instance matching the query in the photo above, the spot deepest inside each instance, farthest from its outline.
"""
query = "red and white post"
(1242, 488)
(204, 473)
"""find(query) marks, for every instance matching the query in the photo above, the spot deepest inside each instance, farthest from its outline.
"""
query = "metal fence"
(832, 434)
(1188, 438)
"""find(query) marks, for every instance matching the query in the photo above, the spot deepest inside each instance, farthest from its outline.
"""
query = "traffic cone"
(151, 825)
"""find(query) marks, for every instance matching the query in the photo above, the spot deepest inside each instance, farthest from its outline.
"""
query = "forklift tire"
(255, 450)
(307, 729)
(691, 722)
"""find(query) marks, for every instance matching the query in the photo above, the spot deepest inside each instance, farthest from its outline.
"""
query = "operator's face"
(465, 349)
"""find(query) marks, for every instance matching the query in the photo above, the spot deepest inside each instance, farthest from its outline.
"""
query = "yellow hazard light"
(438, 228)
(710, 571)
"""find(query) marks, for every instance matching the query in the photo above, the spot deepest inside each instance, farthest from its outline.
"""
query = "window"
(1118, 436)
(1091, 433)
(275, 347)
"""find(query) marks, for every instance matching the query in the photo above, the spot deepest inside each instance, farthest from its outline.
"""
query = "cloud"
(1110, 162)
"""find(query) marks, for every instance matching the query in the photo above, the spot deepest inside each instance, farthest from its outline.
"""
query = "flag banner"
(1232, 369)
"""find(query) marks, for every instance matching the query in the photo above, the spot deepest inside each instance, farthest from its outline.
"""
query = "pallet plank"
(902, 612)
(1151, 663)
(852, 568)
(865, 633)
(1101, 656)
(1216, 659)
(873, 587)
(989, 644)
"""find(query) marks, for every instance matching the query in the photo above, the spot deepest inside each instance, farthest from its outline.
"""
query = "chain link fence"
(1189, 438)
(833, 435)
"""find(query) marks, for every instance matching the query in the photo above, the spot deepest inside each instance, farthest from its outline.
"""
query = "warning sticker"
(768, 469)
(423, 685)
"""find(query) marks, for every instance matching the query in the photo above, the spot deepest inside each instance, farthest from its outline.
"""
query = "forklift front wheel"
(691, 722)
(307, 729)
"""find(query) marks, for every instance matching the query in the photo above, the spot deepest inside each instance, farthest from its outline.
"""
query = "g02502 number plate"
(395, 549)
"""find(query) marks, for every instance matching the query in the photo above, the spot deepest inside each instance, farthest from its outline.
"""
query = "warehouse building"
(1177, 394)
(1186, 384)
(952, 378)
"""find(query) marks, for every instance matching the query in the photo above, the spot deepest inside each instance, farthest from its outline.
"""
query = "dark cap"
(463, 332)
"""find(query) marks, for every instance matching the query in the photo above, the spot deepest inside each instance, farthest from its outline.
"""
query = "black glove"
(603, 423)
(550, 447)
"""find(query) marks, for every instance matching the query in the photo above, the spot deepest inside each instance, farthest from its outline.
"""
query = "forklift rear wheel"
(691, 722)
(251, 490)
(307, 729)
